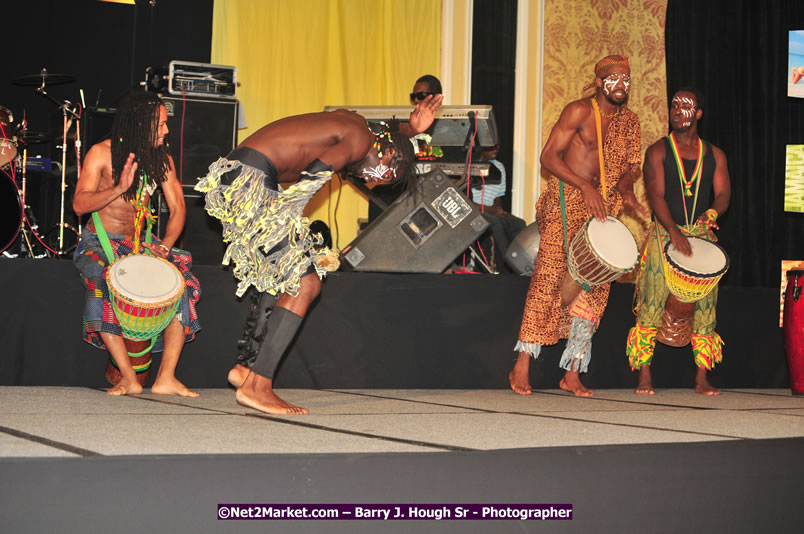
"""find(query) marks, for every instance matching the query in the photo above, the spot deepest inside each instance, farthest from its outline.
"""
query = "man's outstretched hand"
(423, 114)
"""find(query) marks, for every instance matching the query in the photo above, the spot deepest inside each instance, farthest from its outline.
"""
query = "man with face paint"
(271, 244)
(573, 156)
(681, 207)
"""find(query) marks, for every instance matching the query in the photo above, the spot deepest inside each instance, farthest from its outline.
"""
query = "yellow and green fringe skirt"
(270, 242)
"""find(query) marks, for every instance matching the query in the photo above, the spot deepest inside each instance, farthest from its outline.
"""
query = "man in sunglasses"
(427, 85)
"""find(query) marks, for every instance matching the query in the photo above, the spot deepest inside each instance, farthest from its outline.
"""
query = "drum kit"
(18, 220)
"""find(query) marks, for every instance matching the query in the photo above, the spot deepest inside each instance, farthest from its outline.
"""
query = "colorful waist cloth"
(269, 239)
(651, 287)
(545, 320)
(99, 315)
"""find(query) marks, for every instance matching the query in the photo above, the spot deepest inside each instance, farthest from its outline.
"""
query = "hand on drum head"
(159, 251)
(594, 202)
(680, 242)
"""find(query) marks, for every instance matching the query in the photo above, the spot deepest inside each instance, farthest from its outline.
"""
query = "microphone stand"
(66, 108)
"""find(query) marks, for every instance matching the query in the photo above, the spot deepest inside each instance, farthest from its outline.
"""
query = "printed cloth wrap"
(269, 239)
(99, 315)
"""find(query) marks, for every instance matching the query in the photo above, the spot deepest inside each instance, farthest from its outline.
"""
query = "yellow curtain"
(297, 56)
(578, 33)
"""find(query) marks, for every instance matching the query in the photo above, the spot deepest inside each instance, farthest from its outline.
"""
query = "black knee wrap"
(282, 327)
(254, 332)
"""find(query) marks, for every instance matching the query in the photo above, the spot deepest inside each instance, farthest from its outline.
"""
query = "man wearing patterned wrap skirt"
(270, 241)
(110, 185)
(572, 156)
(675, 206)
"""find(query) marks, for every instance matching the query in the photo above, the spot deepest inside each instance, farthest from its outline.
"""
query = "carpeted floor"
(676, 461)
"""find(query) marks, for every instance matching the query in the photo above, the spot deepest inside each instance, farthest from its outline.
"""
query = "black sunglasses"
(421, 95)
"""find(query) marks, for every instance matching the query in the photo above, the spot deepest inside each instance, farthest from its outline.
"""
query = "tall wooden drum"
(794, 330)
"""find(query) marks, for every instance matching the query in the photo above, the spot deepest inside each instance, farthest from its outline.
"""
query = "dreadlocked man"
(117, 180)
(270, 241)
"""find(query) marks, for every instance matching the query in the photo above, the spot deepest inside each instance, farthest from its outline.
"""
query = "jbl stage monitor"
(422, 232)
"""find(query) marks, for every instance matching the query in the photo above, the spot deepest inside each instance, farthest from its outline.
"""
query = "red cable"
(469, 183)
(181, 135)
(25, 218)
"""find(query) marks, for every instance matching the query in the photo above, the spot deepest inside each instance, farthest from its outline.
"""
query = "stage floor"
(64, 422)
(676, 462)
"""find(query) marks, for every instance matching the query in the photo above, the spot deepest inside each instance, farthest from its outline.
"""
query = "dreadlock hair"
(134, 131)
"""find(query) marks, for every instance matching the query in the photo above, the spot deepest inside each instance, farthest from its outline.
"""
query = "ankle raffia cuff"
(640, 345)
(707, 349)
(531, 348)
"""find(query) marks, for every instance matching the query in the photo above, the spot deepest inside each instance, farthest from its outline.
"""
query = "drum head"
(708, 259)
(10, 212)
(613, 242)
(146, 279)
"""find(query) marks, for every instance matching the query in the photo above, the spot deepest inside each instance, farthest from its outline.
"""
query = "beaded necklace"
(696, 175)
(686, 185)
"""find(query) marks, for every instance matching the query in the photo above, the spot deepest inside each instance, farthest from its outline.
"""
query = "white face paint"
(611, 81)
(377, 173)
(686, 106)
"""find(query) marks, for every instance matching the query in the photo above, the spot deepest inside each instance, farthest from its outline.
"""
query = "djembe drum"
(689, 279)
(145, 292)
(600, 252)
(794, 330)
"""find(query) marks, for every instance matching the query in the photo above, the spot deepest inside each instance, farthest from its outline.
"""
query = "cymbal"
(48, 78)
(32, 138)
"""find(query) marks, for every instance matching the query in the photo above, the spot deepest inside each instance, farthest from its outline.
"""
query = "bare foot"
(257, 392)
(125, 387)
(702, 385)
(572, 383)
(645, 385)
(519, 377)
(237, 375)
(171, 386)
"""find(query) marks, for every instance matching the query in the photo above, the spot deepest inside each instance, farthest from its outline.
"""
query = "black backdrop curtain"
(736, 53)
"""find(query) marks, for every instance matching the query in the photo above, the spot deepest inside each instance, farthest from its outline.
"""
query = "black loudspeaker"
(96, 125)
(422, 232)
(202, 233)
(521, 253)
(201, 131)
